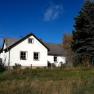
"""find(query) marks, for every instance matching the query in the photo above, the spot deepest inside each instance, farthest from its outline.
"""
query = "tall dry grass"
(46, 81)
(40, 87)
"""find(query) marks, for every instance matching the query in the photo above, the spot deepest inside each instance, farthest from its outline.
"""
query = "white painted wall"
(59, 60)
(4, 57)
(30, 48)
(36, 46)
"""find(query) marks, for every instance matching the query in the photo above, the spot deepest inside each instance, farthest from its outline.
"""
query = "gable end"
(19, 41)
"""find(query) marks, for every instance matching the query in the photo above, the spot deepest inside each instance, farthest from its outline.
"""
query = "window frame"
(30, 40)
(36, 58)
(23, 56)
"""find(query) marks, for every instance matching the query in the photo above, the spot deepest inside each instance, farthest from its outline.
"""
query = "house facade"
(30, 51)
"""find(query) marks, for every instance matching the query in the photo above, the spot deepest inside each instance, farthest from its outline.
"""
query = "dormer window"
(30, 40)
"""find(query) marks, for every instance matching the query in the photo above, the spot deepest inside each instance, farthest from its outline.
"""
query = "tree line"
(79, 46)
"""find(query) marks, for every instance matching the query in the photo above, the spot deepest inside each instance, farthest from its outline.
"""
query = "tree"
(2, 66)
(83, 34)
(67, 41)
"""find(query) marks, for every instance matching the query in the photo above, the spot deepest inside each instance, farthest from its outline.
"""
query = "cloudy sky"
(47, 19)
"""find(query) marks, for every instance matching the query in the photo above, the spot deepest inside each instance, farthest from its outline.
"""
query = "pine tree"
(83, 34)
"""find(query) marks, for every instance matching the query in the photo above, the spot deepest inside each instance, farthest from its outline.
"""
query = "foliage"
(2, 66)
(67, 42)
(17, 66)
(83, 34)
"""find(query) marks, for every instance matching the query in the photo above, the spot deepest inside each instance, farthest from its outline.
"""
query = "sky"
(49, 20)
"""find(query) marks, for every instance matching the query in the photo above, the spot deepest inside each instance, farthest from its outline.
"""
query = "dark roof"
(10, 43)
(55, 49)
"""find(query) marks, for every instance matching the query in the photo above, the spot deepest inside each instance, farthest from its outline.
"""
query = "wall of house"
(30, 48)
(59, 60)
(4, 56)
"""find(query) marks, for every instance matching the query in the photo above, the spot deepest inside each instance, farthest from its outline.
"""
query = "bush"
(63, 65)
(17, 66)
(2, 66)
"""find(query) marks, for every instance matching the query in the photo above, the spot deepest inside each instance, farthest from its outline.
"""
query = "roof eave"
(55, 54)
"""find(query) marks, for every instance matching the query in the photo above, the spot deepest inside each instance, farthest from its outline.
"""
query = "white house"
(31, 51)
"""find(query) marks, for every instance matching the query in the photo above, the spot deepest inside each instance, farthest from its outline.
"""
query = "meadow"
(47, 81)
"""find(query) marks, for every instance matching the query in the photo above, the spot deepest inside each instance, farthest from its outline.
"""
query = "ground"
(47, 81)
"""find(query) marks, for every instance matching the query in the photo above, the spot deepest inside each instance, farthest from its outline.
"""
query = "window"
(30, 40)
(36, 56)
(55, 58)
(23, 55)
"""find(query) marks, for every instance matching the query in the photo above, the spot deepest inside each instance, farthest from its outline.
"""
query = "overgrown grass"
(47, 81)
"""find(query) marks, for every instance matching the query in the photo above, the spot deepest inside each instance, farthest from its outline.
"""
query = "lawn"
(47, 81)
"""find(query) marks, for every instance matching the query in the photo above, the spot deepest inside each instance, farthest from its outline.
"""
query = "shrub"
(63, 65)
(17, 66)
(2, 66)
(53, 65)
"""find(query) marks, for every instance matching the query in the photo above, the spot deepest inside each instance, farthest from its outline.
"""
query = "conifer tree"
(83, 34)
